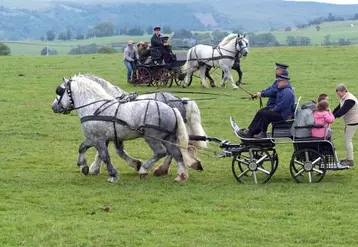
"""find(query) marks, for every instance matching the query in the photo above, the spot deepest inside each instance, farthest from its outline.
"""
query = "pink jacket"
(324, 118)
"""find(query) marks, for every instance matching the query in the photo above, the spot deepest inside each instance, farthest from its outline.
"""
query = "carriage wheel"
(308, 165)
(162, 77)
(179, 78)
(142, 75)
(254, 166)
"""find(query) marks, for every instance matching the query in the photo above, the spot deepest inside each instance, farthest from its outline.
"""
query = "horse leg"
(224, 77)
(188, 77)
(81, 162)
(173, 150)
(228, 75)
(132, 162)
(164, 168)
(202, 71)
(159, 152)
(95, 168)
(239, 72)
(207, 75)
(104, 155)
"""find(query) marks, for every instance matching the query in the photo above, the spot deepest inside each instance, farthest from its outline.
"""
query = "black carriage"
(157, 72)
(256, 160)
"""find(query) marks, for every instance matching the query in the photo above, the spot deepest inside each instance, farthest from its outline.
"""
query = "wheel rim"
(308, 166)
(257, 167)
(143, 76)
(162, 77)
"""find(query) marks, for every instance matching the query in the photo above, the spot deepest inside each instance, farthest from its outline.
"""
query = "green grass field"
(46, 201)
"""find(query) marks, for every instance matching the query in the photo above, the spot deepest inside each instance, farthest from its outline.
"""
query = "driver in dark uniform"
(158, 42)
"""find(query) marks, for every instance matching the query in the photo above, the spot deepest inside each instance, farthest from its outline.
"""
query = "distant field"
(337, 30)
(34, 47)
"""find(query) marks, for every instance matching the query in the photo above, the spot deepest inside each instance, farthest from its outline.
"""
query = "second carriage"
(155, 71)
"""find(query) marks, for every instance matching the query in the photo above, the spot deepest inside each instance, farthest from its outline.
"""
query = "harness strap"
(121, 122)
(213, 58)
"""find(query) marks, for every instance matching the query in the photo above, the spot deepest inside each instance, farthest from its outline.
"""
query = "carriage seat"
(156, 55)
(282, 129)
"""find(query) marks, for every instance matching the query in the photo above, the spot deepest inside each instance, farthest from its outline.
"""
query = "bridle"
(60, 91)
(238, 41)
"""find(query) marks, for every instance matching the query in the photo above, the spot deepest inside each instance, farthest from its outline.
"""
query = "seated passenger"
(143, 52)
(322, 116)
(157, 42)
(303, 117)
(282, 110)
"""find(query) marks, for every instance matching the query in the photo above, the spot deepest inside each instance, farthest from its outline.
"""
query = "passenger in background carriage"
(158, 42)
(130, 58)
(282, 110)
(143, 52)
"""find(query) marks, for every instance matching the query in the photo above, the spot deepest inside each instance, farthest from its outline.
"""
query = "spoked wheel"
(142, 75)
(254, 166)
(308, 165)
(162, 77)
(178, 78)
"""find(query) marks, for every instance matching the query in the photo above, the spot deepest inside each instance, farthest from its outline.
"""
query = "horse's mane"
(84, 84)
(227, 39)
(109, 87)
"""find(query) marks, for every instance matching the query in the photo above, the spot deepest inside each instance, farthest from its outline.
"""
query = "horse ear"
(245, 35)
(64, 80)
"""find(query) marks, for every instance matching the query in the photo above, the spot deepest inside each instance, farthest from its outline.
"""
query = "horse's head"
(63, 102)
(242, 45)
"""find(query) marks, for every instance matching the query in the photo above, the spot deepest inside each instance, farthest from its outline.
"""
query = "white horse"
(223, 56)
(105, 119)
(188, 109)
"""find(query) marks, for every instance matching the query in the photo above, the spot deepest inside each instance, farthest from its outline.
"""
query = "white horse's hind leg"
(202, 71)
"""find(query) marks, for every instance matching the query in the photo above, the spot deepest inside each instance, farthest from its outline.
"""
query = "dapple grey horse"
(105, 119)
(187, 107)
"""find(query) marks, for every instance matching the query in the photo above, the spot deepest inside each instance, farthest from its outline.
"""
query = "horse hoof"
(197, 166)
(235, 88)
(181, 178)
(143, 176)
(113, 179)
(160, 172)
(85, 170)
(136, 164)
(94, 172)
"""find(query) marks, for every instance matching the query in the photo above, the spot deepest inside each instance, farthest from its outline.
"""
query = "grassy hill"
(46, 201)
(337, 30)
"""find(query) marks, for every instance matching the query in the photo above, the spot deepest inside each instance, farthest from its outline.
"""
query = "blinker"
(60, 90)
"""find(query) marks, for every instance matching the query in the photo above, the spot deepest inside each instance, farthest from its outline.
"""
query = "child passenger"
(322, 116)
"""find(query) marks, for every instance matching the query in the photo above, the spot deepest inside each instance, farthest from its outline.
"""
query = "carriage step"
(336, 167)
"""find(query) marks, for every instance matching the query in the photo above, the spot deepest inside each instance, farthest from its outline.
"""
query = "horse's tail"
(193, 124)
(185, 67)
(183, 139)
